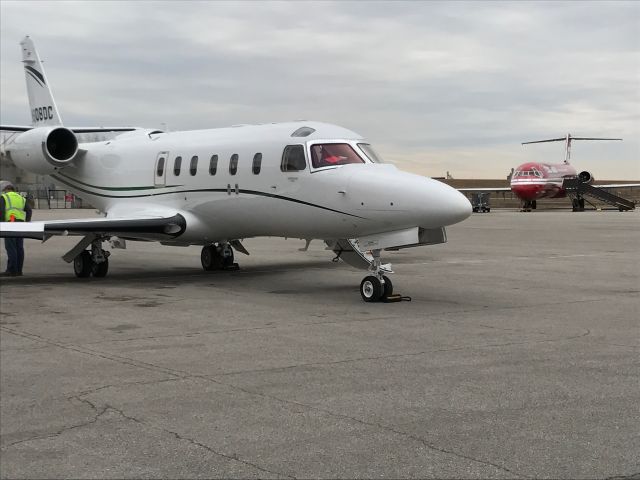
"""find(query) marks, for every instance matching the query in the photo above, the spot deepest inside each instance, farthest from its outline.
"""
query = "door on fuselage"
(160, 172)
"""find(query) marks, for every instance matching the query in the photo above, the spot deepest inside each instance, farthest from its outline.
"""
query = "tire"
(82, 264)
(488, 210)
(387, 288)
(227, 262)
(209, 258)
(371, 289)
(100, 270)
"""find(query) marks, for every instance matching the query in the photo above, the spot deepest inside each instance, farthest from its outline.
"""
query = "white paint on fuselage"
(119, 176)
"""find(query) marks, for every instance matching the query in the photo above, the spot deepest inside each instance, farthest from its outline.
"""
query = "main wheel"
(100, 269)
(387, 288)
(371, 289)
(209, 258)
(82, 264)
(226, 257)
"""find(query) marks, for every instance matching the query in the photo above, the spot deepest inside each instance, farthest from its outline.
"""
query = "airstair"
(578, 190)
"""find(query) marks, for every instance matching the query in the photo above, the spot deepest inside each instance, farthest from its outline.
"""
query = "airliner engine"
(586, 177)
(44, 150)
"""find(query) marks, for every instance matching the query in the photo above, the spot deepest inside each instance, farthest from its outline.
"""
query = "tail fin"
(567, 145)
(43, 107)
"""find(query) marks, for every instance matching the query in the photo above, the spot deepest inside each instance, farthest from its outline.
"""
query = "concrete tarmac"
(518, 357)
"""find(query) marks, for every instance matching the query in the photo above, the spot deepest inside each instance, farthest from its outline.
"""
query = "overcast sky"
(436, 87)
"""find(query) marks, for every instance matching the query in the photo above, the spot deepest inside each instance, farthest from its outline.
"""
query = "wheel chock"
(395, 297)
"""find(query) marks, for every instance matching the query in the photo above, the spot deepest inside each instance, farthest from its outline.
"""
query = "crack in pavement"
(192, 441)
(178, 374)
(110, 408)
(632, 476)
(378, 425)
(64, 429)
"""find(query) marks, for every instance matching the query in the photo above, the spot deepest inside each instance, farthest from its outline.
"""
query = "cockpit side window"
(370, 153)
(333, 154)
(293, 159)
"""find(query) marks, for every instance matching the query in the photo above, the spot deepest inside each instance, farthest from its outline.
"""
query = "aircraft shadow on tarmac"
(195, 276)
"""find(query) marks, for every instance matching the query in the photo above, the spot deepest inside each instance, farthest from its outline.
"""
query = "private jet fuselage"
(259, 180)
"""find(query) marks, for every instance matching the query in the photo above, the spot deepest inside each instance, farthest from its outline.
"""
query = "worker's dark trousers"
(15, 254)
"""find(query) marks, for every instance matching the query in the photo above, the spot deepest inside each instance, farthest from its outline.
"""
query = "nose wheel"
(376, 287)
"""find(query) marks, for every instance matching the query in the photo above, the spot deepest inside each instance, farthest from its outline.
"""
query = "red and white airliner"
(532, 181)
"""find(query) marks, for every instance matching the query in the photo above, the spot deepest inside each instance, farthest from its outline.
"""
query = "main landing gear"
(577, 204)
(528, 205)
(376, 287)
(218, 257)
(93, 262)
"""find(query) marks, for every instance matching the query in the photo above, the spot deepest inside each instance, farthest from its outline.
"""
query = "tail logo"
(36, 75)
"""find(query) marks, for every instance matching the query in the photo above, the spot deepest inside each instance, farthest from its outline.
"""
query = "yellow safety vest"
(14, 204)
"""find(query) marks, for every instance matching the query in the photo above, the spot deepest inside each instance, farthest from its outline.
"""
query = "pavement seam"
(401, 355)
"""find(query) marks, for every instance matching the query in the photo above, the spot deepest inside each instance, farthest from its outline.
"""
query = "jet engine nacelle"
(44, 150)
(586, 177)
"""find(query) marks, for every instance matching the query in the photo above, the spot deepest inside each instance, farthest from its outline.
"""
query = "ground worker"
(14, 208)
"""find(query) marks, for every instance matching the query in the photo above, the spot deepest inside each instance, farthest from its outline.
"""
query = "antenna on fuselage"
(567, 141)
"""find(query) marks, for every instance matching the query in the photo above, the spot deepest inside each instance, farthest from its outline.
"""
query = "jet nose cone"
(439, 204)
(459, 207)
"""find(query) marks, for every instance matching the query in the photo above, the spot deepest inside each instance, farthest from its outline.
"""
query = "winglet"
(43, 107)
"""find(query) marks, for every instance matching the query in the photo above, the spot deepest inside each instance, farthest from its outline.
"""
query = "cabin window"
(257, 163)
(213, 165)
(176, 166)
(160, 169)
(293, 159)
(233, 164)
(193, 167)
(333, 154)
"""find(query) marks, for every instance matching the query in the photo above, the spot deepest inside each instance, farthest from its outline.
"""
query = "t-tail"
(44, 111)
(567, 141)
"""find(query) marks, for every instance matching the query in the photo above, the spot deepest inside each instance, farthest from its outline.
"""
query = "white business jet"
(213, 188)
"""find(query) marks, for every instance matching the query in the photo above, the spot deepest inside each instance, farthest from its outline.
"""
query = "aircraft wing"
(485, 189)
(20, 128)
(134, 228)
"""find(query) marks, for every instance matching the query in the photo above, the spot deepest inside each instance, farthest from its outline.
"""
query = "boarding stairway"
(577, 190)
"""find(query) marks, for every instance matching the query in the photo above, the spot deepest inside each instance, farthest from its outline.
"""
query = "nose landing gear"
(376, 287)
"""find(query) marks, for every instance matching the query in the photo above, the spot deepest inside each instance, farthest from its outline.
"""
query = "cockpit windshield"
(370, 153)
(533, 172)
(333, 154)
